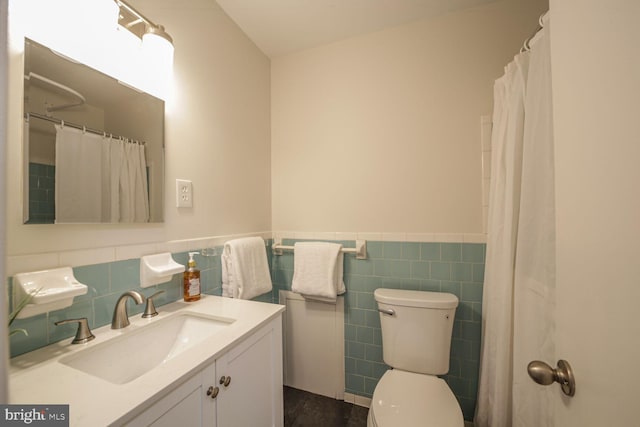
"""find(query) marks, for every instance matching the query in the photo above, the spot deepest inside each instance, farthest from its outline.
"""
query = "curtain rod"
(59, 86)
(82, 128)
(526, 45)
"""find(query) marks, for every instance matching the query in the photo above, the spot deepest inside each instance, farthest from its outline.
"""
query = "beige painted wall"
(217, 135)
(381, 132)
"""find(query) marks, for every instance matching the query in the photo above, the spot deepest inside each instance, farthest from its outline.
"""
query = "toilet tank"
(417, 336)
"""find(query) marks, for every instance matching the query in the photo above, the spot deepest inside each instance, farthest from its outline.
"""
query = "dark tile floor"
(304, 409)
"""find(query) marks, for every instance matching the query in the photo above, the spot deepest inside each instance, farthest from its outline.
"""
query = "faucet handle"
(150, 309)
(83, 334)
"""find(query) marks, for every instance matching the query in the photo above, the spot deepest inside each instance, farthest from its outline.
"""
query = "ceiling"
(279, 27)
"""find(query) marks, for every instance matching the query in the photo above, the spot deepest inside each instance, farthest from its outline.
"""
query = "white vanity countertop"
(39, 378)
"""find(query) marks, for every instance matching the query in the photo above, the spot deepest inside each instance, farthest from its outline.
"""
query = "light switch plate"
(184, 193)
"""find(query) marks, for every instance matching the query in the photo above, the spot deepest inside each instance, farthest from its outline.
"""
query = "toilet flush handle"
(389, 311)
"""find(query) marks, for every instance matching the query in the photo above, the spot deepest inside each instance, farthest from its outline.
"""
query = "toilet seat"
(409, 399)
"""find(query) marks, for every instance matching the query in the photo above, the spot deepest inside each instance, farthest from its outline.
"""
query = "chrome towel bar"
(360, 250)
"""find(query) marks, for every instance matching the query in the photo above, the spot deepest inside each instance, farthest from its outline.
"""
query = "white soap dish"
(156, 269)
(49, 289)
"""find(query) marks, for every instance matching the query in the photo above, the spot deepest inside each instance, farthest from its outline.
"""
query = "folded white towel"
(245, 270)
(318, 270)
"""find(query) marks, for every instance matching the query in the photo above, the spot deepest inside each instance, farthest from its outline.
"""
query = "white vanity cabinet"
(243, 387)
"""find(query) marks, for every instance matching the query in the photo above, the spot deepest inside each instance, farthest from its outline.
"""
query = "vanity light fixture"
(144, 28)
(155, 54)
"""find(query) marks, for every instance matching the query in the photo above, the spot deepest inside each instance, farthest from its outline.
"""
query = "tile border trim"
(80, 257)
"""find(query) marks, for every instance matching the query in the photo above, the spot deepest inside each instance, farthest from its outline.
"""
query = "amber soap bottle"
(192, 288)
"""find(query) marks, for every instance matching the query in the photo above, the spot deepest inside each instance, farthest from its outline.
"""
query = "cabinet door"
(253, 396)
(187, 405)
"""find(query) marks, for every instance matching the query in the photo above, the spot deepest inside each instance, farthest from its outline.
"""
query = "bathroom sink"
(125, 358)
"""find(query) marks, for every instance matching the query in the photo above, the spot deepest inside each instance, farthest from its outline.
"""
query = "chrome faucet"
(120, 315)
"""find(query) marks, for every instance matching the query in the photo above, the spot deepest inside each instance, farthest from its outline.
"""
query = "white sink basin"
(125, 358)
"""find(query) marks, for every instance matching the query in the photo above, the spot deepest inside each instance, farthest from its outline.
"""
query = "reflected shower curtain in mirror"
(519, 285)
(25, 171)
(99, 179)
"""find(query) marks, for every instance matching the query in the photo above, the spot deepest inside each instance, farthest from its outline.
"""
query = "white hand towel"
(245, 270)
(318, 270)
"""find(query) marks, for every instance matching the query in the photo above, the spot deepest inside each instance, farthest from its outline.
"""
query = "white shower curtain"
(99, 178)
(25, 170)
(78, 188)
(519, 286)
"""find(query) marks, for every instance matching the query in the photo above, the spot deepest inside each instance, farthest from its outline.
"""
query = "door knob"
(544, 374)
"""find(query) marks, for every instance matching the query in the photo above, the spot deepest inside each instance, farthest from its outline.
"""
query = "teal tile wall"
(443, 267)
(457, 268)
(42, 183)
(106, 283)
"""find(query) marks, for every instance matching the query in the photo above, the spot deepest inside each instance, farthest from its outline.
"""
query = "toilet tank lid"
(416, 298)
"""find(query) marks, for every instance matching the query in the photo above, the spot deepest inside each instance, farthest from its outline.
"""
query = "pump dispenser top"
(192, 286)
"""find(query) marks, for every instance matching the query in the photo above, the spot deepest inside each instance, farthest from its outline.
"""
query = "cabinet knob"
(213, 392)
(225, 381)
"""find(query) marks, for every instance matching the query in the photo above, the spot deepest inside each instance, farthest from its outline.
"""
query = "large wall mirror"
(93, 147)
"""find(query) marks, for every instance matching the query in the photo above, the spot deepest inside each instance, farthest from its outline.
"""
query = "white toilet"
(416, 340)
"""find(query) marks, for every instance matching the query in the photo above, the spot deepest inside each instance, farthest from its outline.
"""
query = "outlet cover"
(184, 193)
